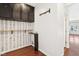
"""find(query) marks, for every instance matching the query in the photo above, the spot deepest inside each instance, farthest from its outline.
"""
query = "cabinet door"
(31, 15)
(5, 10)
(25, 11)
(16, 11)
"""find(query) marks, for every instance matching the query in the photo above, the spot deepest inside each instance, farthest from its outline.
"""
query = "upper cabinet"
(31, 15)
(17, 12)
(5, 10)
(25, 12)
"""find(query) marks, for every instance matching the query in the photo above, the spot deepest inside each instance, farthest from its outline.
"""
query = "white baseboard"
(14, 49)
(62, 54)
(43, 52)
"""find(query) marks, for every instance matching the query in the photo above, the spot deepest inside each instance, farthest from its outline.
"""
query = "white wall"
(73, 13)
(50, 28)
(73, 16)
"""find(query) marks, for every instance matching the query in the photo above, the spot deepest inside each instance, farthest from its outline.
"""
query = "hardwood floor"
(66, 51)
(74, 46)
(27, 51)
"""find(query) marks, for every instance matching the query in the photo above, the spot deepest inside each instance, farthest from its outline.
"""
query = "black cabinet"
(27, 13)
(5, 10)
(17, 12)
(24, 12)
(31, 15)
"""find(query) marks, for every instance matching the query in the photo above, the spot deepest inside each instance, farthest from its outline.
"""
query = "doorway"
(73, 30)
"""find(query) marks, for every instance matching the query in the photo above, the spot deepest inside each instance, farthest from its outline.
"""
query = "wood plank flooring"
(74, 46)
(27, 51)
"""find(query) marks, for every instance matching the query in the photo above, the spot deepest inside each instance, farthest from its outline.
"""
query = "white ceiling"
(73, 12)
(33, 4)
(69, 4)
(66, 4)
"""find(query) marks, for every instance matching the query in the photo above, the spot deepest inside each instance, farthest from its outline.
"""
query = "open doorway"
(72, 40)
